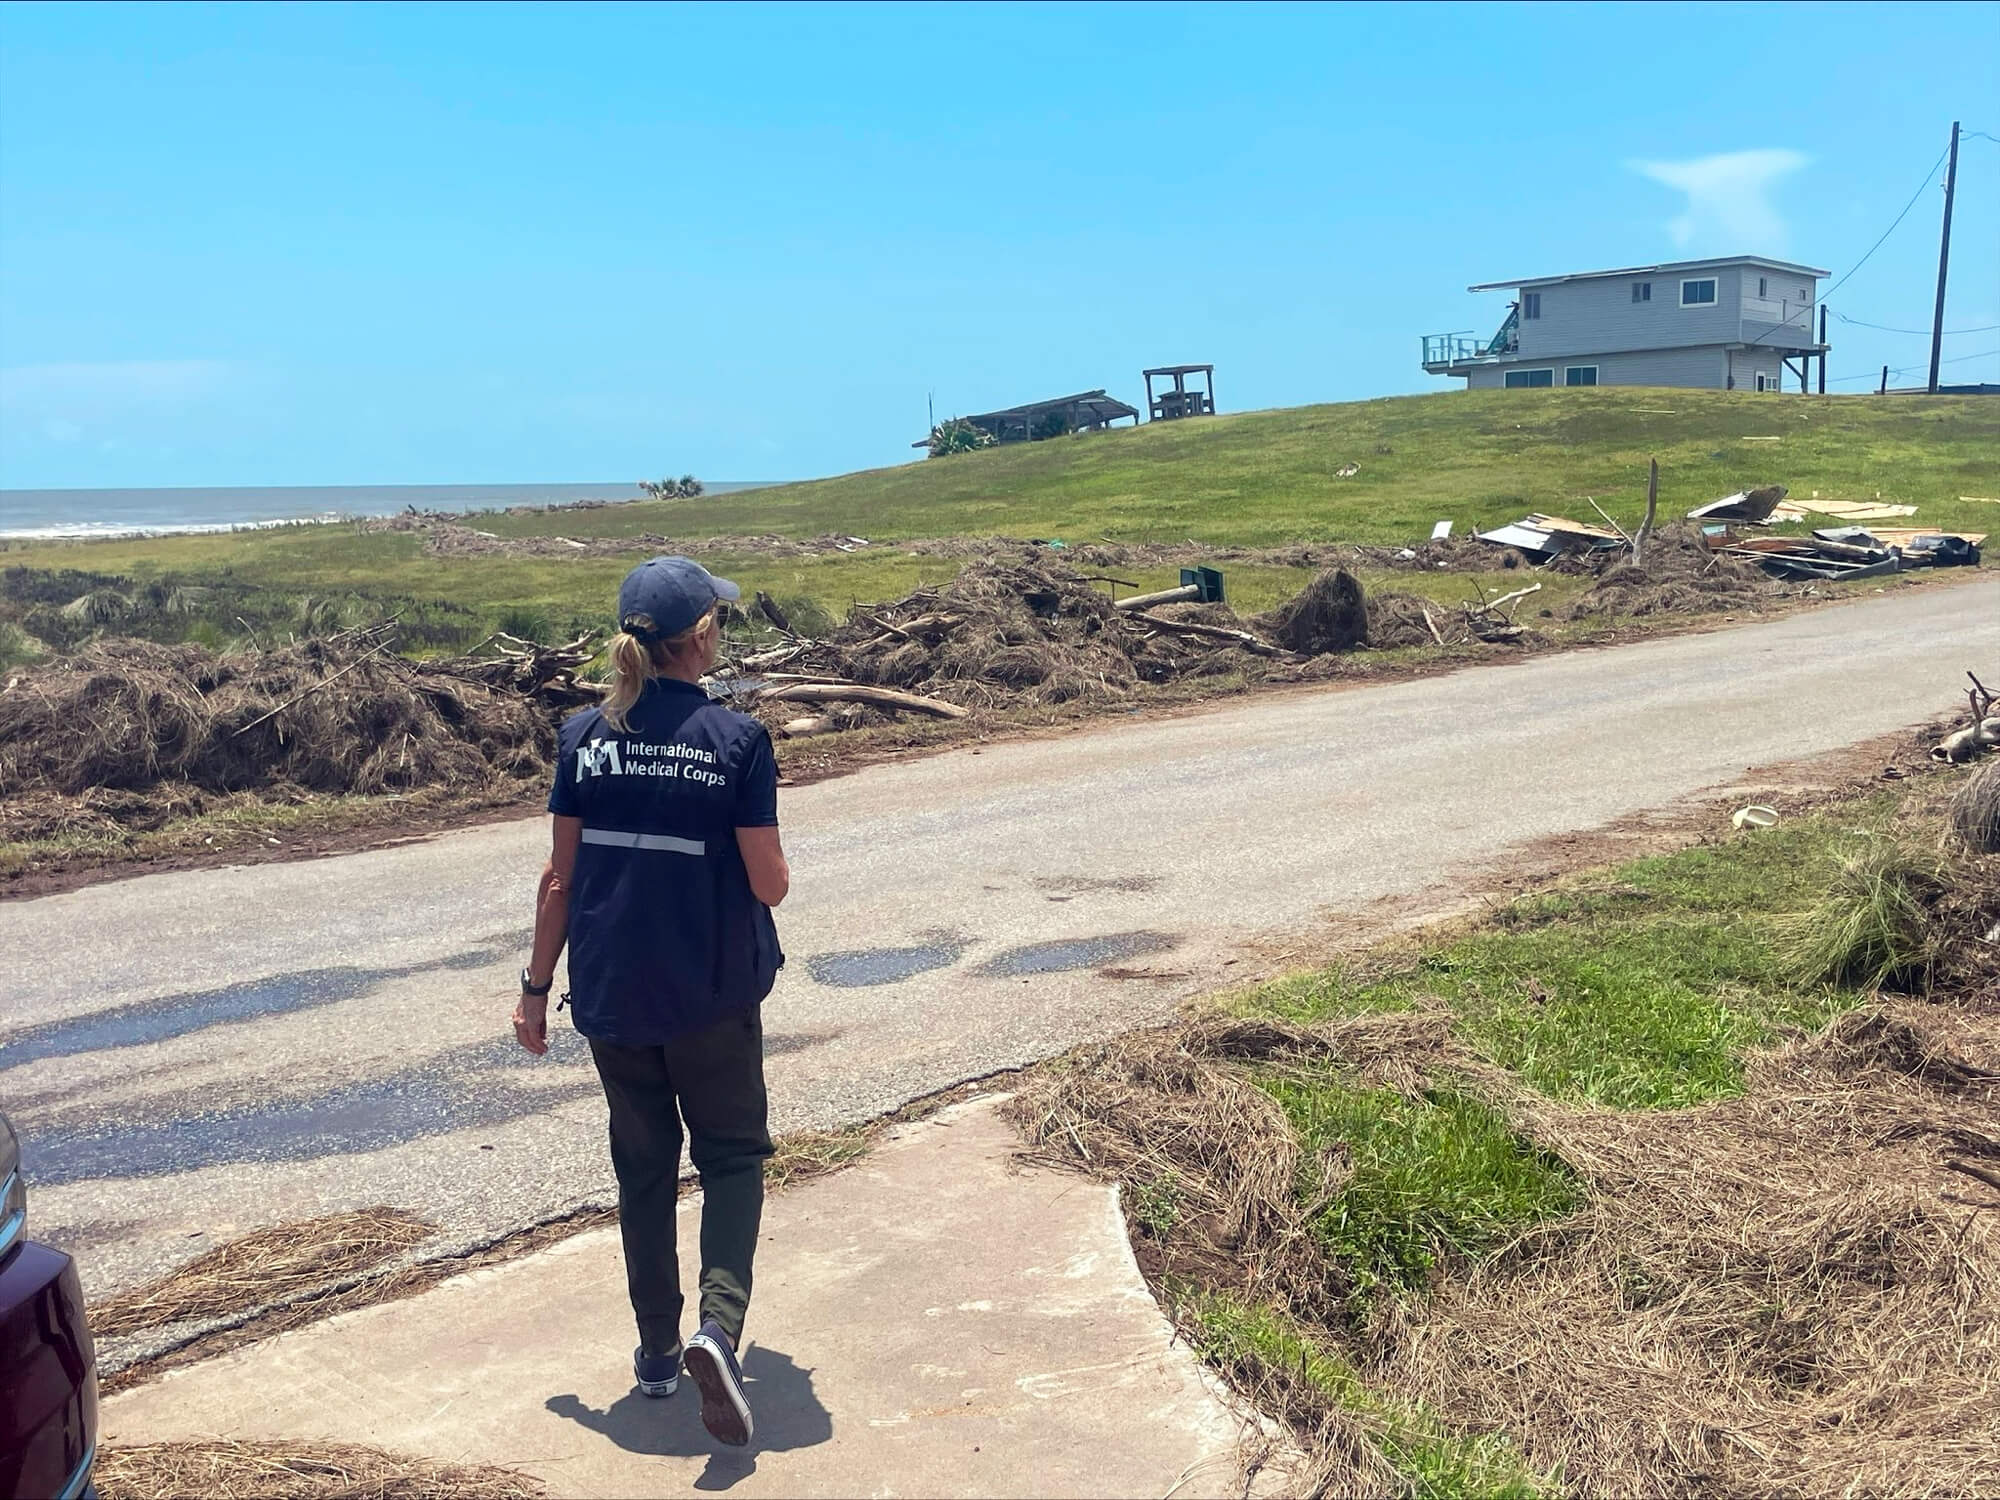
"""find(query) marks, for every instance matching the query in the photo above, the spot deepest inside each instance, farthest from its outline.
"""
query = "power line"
(1925, 332)
(1906, 369)
(1921, 188)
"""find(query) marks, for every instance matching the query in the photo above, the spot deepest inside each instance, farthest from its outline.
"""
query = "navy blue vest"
(665, 936)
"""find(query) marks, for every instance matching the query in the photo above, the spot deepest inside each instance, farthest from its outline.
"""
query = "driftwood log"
(1186, 593)
(1976, 738)
(857, 692)
(1243, 638)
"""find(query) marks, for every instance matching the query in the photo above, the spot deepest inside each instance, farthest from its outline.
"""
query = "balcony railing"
(1451, 348)
(1466, 348)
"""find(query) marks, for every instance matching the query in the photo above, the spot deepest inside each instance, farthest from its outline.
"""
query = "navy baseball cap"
(665, 595)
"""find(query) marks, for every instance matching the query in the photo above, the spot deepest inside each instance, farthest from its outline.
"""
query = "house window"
(1762, 287)
(1763, 381)
(1531, 304)
(1698, 293)
(1580, 375)
(1520, 379)
(1805, 294)
(1642, 291)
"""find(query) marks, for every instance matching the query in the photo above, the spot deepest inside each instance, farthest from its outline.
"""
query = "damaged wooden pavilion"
(1087, 411)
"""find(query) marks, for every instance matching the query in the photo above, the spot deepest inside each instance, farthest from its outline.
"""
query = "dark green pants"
(714, 1080)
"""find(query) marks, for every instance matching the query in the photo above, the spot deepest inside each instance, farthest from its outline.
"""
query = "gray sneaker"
(710, 1362)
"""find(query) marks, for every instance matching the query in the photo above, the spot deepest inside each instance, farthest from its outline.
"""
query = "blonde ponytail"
(634, 662)
(631, 665)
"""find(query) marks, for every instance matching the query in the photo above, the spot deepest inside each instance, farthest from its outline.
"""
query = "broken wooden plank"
(1855, 510)
(1564, 526)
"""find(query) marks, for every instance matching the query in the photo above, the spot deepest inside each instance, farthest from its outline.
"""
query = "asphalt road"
(192, 1055)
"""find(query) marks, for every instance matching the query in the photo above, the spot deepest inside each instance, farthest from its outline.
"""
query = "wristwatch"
(540, 991)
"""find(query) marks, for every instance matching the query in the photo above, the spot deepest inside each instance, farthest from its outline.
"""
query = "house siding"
(1601, 315)
(1747, 364)
(1702, 368)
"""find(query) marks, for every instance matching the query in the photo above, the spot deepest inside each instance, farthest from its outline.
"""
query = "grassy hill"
(1254, 479)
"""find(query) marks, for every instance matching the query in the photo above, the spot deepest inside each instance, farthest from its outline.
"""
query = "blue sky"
(332, 245)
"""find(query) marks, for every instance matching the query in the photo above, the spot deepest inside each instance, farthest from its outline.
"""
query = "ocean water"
(51, 514)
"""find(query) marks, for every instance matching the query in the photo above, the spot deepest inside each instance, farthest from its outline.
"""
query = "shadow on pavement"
(788, 1416)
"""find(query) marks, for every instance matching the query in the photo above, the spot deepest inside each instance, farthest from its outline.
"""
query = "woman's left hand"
(531, 1023)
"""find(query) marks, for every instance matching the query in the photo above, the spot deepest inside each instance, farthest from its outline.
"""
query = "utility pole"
(1822, 348)
(1944, 259)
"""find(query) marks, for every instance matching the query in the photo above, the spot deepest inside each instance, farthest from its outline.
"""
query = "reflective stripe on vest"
(622, 840)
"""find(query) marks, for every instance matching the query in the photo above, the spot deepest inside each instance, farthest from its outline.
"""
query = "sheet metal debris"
(1834, 552)
(1749, 506)
(1550, 536)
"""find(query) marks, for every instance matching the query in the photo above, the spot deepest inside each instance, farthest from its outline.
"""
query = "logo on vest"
(596, 757)
(637, 758)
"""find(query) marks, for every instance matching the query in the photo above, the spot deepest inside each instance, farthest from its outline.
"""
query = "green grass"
(1259, 478)
(1436, 1462)
(1265, 478)
(1432, 1179)
(1640, 989)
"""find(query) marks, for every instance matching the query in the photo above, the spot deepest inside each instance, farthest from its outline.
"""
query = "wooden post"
(1885, 382)
(1822, 348)
(1944, 260)
(1645, 532)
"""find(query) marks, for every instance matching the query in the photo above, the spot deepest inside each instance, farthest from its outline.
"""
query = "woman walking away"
(666, 866)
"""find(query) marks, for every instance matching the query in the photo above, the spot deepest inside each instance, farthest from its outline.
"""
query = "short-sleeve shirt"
(665, 935)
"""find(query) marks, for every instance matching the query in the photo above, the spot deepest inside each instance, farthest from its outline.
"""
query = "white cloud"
(1728, 198)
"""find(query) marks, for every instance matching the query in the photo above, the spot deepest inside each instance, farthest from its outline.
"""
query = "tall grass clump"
(1975, 811)
(1872, 928)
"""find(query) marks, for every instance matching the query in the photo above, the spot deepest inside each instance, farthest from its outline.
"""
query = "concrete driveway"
(192, 1055)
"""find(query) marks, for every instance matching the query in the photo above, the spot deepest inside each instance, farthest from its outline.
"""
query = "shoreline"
(390, 500)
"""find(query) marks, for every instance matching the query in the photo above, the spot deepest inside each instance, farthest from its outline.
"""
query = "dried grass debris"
(265, 1266)
(127, 733)
(1771, 1295)
(1330, 614)
(217, 1469)
(1678, 575)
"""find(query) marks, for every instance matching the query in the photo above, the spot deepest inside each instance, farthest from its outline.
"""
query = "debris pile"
(1675, 574)
(451, 539)
(1848, 552)
(127, 734)
(1023, 630)
(1832, 553)
(1006, 631)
